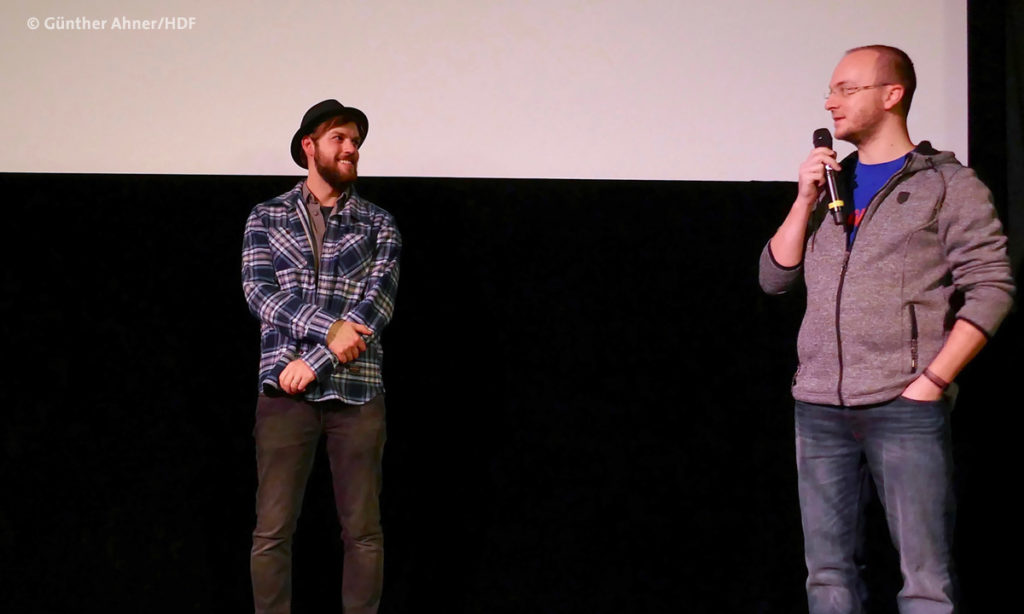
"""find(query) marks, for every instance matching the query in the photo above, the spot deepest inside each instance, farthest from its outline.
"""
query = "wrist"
(332, 332)
(803, 207)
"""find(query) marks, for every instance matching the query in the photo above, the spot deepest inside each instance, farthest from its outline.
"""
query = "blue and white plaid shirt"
(296, 306)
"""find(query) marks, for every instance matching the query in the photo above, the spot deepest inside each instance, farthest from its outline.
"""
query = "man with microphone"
(905, 284)
(320, 271)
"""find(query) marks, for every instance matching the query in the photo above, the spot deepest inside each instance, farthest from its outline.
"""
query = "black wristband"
(935, 379)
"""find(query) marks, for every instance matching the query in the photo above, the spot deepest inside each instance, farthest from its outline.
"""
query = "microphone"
(823, 138)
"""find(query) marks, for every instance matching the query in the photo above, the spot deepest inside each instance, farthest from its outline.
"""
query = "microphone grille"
(822, 138)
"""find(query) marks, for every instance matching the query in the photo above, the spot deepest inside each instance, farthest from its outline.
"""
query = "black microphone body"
(823, 138)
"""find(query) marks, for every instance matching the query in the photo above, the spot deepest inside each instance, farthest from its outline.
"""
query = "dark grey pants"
(287, 432)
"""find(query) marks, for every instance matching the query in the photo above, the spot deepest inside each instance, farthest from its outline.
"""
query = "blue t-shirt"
(868, 179)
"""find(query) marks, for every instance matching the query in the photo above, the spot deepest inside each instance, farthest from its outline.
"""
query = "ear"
(307, 145)
(893, 96)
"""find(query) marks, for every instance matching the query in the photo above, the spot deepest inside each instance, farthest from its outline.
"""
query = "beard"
(329, 172)
(861, 127)
(851, 135)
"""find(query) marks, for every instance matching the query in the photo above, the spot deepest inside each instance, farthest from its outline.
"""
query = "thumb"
(362, 330)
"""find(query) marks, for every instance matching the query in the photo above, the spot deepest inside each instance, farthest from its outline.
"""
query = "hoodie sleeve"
(976, 251)
(775, 278)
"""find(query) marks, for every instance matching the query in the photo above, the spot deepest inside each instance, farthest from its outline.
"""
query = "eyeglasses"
(850, 90)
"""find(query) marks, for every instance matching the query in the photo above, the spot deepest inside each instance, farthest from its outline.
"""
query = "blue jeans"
(904, 445)
(287, 431)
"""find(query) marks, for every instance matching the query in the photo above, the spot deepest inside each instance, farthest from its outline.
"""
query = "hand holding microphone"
(787, 245)
(823, 138)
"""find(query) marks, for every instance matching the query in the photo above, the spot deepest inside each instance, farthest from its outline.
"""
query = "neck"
(891, 142)
(326, 193)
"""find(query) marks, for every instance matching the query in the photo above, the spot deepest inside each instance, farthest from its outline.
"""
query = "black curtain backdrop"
(1014, 71)
(996, 121)
(588, 395)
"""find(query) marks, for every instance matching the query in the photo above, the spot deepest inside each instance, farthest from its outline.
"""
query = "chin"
(847, 135)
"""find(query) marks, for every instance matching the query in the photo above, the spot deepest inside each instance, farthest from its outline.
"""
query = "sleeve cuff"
(775, 262)
(321, 360)
(319, 325)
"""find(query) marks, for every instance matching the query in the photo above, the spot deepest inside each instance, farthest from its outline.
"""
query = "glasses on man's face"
(849, 90)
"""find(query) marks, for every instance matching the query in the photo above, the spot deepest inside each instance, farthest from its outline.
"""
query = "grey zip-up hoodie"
(929, 250)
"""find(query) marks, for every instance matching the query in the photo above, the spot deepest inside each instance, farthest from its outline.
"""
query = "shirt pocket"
(291, 266)
(287, 249)
(297, 281)
(350, 258)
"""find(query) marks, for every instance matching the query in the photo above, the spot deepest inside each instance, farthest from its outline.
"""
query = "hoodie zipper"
(883, 192)
(839, 336)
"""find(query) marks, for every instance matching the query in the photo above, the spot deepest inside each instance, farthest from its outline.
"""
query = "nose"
(830, 101)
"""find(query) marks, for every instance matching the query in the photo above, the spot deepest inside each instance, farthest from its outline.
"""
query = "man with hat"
(320, 271)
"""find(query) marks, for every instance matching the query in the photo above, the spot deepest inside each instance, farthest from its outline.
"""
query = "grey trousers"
(287, 432)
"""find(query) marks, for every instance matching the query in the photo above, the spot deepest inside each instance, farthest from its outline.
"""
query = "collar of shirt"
(312, 202)
(318, 220)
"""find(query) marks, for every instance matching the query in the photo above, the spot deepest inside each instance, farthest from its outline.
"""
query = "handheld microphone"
(823, 138)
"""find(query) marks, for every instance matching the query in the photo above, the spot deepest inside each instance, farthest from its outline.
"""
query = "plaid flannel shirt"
(296, 306)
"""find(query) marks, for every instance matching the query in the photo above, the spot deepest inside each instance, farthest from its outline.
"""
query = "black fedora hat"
(320, 112)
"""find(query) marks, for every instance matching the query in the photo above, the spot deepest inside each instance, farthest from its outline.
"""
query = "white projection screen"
(722, 90)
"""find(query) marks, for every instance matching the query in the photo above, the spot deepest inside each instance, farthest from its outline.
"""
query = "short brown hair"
(895, 66)
(333, 122)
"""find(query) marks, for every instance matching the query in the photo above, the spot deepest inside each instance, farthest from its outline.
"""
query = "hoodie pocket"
(912, 313)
